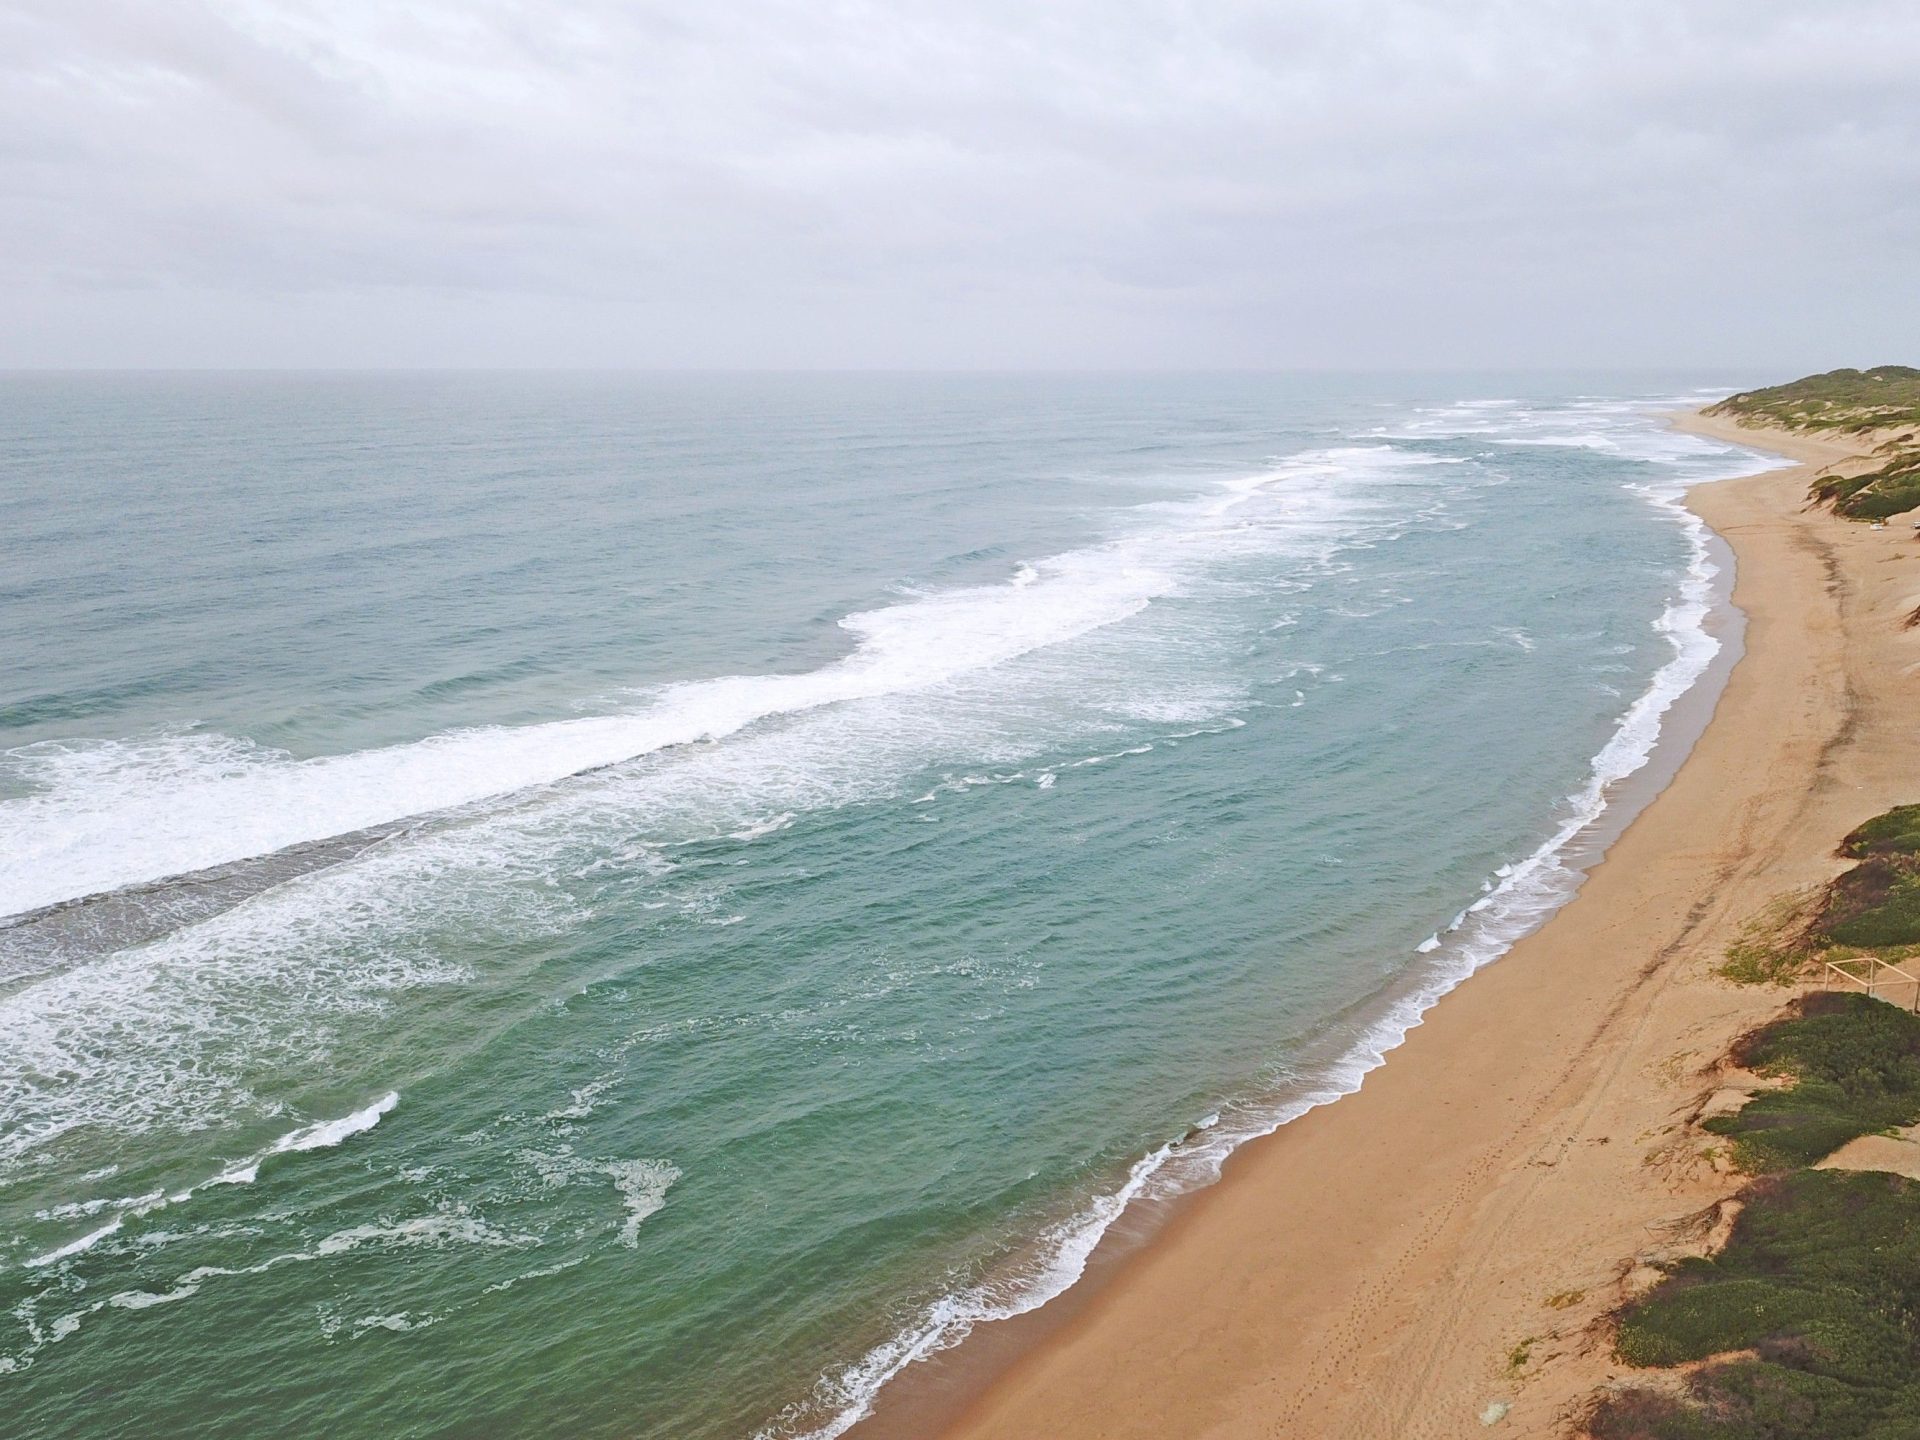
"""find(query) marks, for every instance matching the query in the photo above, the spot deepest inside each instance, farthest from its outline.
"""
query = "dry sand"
(1410, 1260)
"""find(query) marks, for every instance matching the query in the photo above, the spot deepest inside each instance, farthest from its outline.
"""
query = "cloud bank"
(757, 183)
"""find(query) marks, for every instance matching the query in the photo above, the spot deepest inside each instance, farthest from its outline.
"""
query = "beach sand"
(1412, 1259)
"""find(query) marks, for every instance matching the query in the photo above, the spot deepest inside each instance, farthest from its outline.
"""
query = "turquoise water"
(634, 906)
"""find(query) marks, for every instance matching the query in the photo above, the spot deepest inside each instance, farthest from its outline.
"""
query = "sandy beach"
(1429, 1256)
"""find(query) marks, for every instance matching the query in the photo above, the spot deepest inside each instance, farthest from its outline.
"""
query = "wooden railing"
(1880, 977)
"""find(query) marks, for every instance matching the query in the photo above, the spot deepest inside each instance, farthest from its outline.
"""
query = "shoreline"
(924, 1390)
(1433, 1149)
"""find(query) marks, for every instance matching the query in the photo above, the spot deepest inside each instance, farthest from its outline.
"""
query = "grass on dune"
(1877, 903)
(1813, 1308)
(1886, 397)
(1892, 491)
(1855, 1067)
(1809, 1319)
(1806, 1326)
(1874, 907)
(1849, 400)
(1776, 947)
(1895, 833)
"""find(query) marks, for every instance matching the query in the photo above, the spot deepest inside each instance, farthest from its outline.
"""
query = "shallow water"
(635, 906)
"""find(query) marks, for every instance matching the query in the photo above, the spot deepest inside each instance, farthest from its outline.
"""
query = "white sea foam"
(540, 1273)
(642, 1185)
(1622, 428)
(321, 1135)
(112, 814)
(81, 1209)
(759, 829)
(399, 1322)
(99, 815)
(328, 1133)
(147, 1299)
(583, 1102)
(981, 676)
(328, 942)
(268, 986)
(1514, 902)
(262, 988)
(85, 1242)
(448, 1226)
(453, 1224)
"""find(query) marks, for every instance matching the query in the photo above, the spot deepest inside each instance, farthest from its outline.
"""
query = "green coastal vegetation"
(1855, 402)
(1870, 912)
(1876, 904)
(1846, 400)
(1806, 1325)
(1854, 1067)
(1812, 1307)
(1876, 494)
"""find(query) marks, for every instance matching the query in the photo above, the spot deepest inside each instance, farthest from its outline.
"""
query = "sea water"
(639, 906)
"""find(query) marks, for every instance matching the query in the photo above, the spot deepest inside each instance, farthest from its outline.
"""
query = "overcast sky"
(754, 183)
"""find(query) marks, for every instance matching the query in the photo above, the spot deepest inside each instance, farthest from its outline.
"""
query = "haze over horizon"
(1375, 184)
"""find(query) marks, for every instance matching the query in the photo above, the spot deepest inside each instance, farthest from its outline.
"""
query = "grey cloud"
(1321, 182)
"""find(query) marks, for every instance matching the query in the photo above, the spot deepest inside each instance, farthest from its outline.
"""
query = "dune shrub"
(1816, 1303)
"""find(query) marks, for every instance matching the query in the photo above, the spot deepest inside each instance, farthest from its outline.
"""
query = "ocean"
(640, 906)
